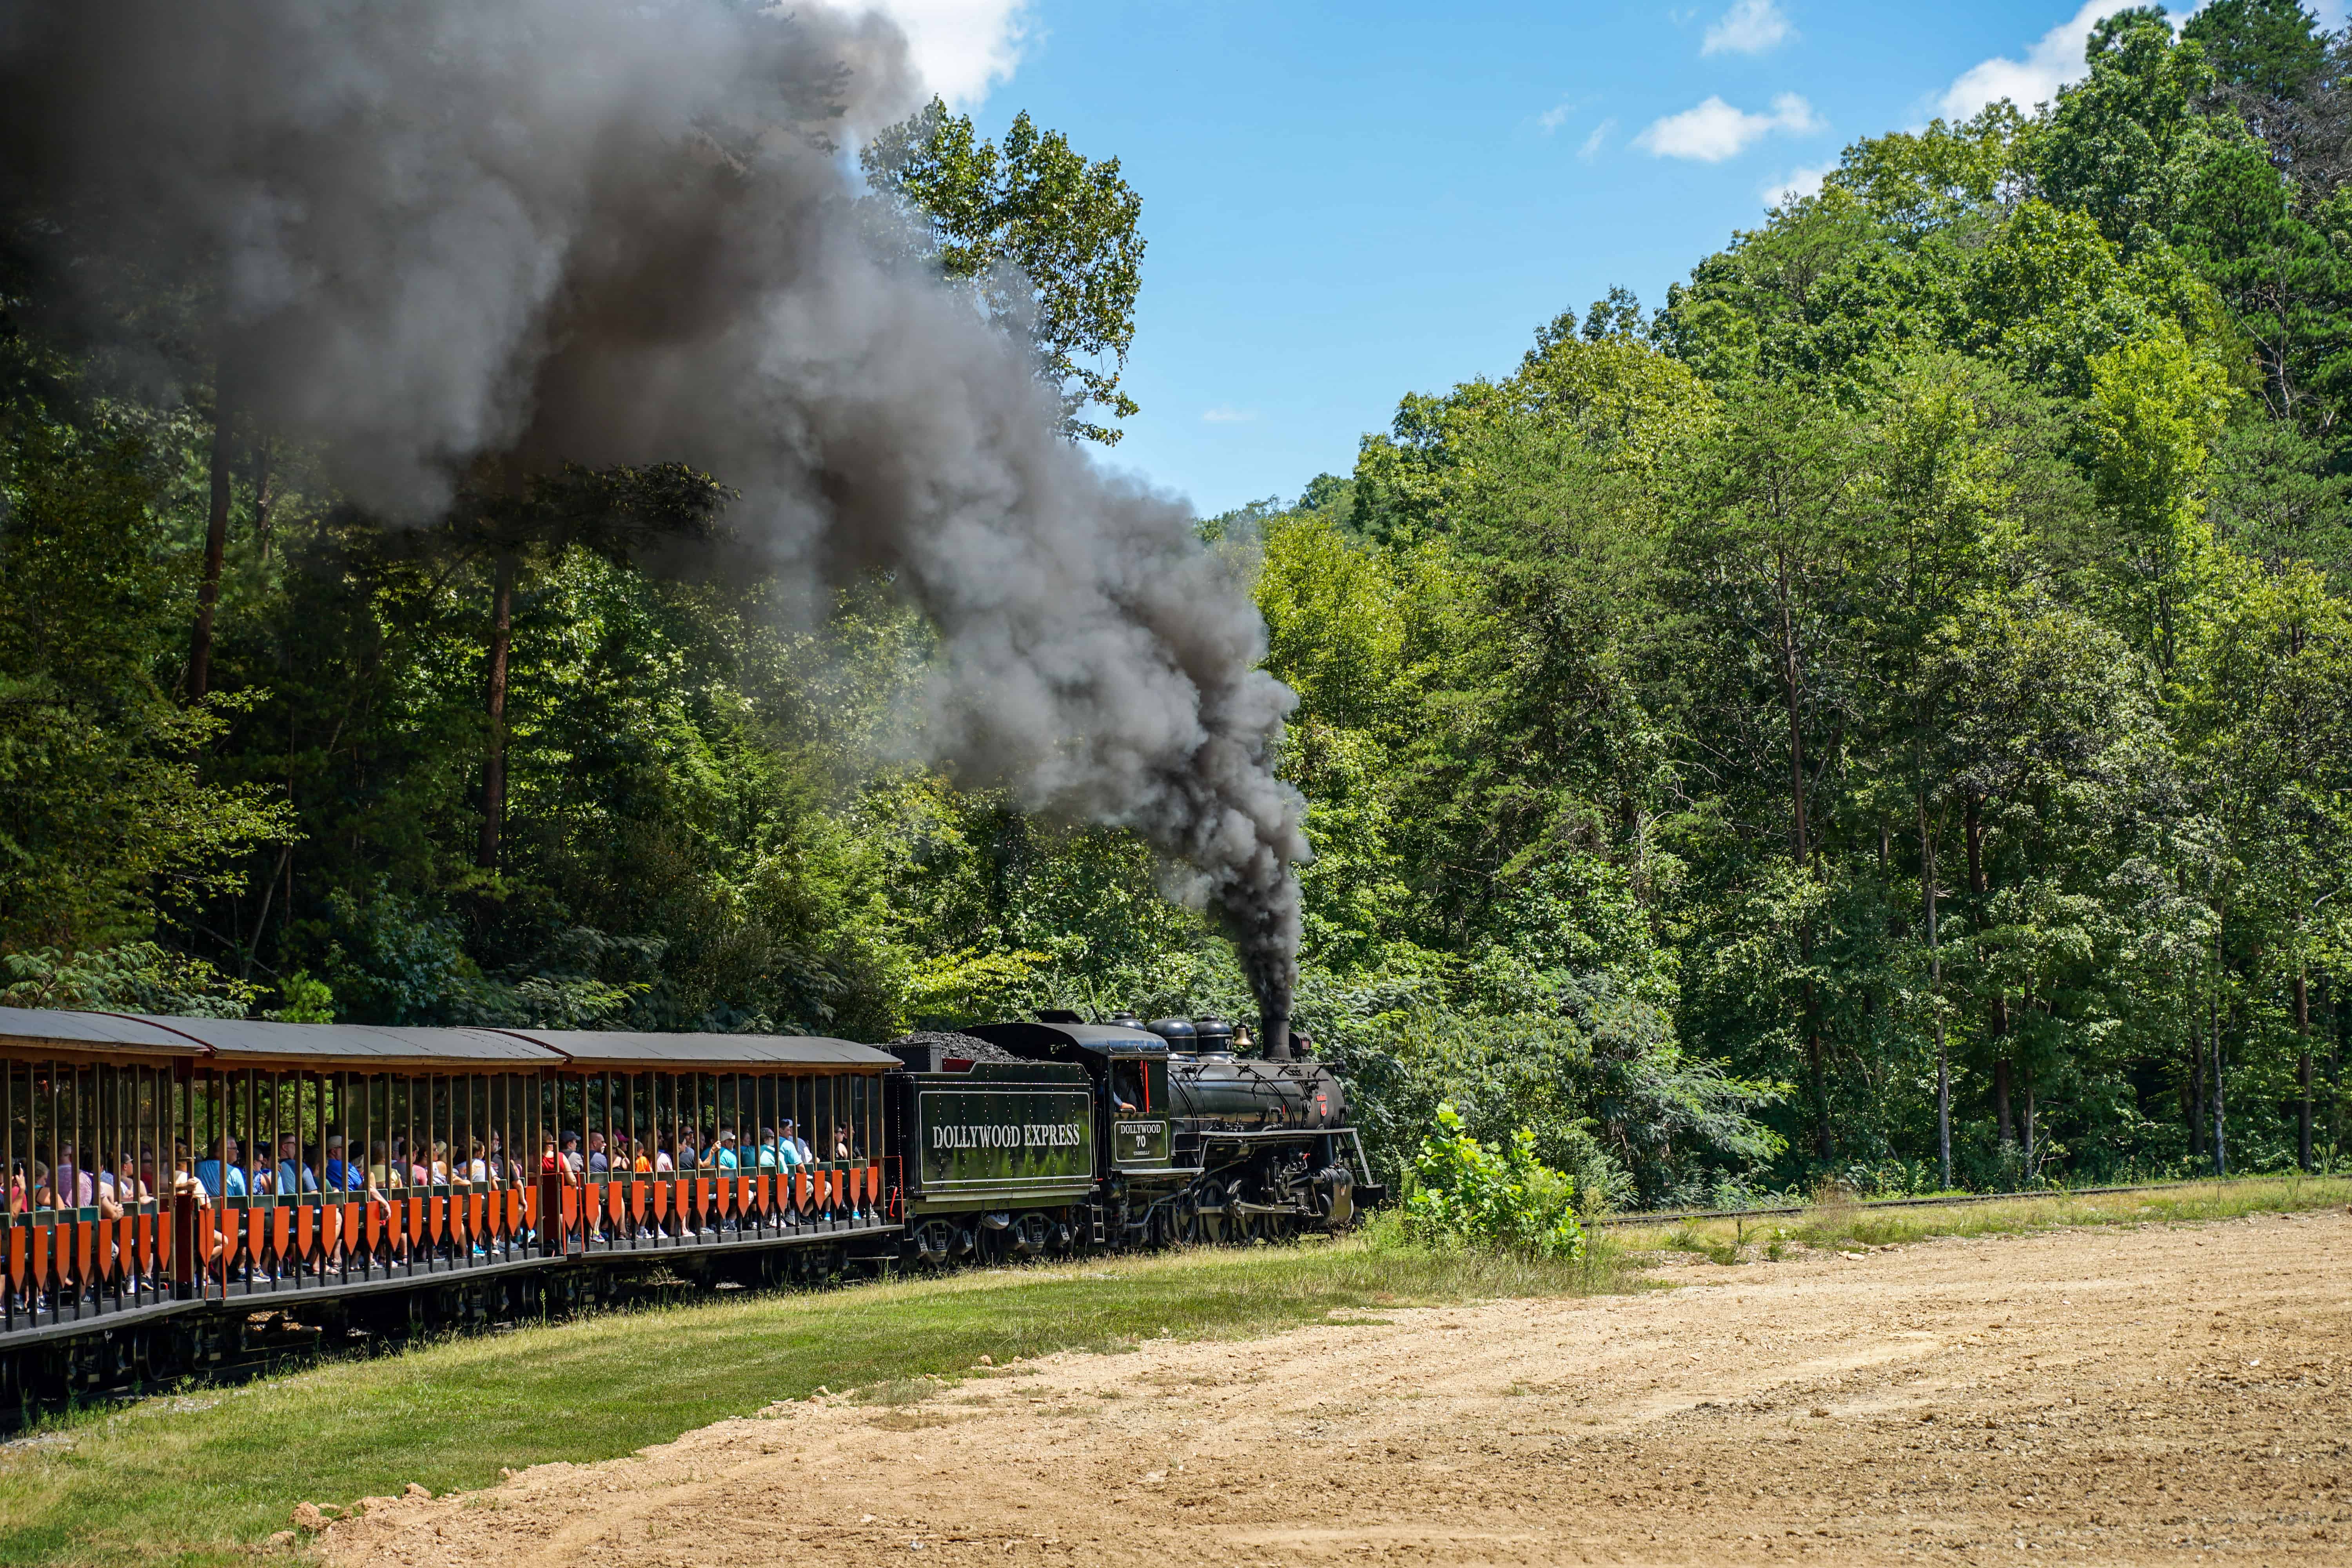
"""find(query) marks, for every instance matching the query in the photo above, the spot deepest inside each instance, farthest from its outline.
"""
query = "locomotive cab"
(1128, 1068)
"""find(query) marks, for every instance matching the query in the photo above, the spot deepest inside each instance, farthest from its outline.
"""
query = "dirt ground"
(2149, 1395)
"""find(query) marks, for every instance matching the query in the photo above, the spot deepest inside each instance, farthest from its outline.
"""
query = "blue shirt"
(289, 1181)
(724, 1158)
(208, 1176)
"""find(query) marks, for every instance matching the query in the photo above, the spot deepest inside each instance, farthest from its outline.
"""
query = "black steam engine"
(1029, 1138)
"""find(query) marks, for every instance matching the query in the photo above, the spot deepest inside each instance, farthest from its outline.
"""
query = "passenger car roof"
(373, 1048)
(73, 1031)
(615, 1047)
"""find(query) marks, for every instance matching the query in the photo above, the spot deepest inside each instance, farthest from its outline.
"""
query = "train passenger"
(477, 1168)
(120, 1187)
(380, 1173)
(337, 1174)
(73, 1184)
(600, 1158)
(183, 1178)
(293, 1174)
(405, 1167)
(767, 1148)
(840, 1150)
(724, 1157)
(792, 1149)
(224, 1181)
(495, 1152)
(663, 1160)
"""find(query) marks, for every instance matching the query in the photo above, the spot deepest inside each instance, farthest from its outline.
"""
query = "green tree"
(1044, 239)
(111, 824)
(2122, 144)
(2273, 48)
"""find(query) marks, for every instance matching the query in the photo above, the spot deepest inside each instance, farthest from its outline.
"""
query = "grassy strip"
(1837, 1225)
(198, 1480)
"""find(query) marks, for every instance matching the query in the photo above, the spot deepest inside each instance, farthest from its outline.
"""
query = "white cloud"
(961, 48)
(2055, 59)
(1749, 28)
(1555, 117)
(1794, 187)
(1593, 144)
(1226, 413)
(1714, 130)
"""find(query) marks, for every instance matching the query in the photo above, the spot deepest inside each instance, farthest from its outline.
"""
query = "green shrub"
(1490, 1196)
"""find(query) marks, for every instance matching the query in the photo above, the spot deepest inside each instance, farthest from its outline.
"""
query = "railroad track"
(1676, 1216)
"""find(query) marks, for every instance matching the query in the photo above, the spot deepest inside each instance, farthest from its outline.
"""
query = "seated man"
(294, 1175)
(220, 1180)
(337, 1174)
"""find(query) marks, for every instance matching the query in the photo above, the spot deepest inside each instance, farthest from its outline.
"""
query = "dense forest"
(1885, 716)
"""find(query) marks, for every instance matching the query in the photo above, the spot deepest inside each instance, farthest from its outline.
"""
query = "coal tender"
(1186, 1139)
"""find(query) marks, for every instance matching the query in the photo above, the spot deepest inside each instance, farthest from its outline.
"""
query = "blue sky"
(1345, 202)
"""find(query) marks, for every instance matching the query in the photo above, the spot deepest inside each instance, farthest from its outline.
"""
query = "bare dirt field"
(2149, 1395)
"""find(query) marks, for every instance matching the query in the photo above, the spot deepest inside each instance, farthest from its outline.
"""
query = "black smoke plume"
(434, 238)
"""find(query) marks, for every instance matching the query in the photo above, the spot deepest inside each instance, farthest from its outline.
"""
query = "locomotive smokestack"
(1273, 1035)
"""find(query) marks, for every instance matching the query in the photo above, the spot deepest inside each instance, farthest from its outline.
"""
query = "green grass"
(1834, 1226)
(200, 1478)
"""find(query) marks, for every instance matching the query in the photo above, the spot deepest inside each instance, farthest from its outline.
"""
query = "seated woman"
(183, 1178)
(384, 1177)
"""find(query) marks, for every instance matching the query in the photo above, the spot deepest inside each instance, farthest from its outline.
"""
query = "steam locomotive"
(1188, 1140)
(187, 1194)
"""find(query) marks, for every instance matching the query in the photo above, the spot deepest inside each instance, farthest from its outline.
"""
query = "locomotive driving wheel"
(1214, 1222)
(1242, 1227)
